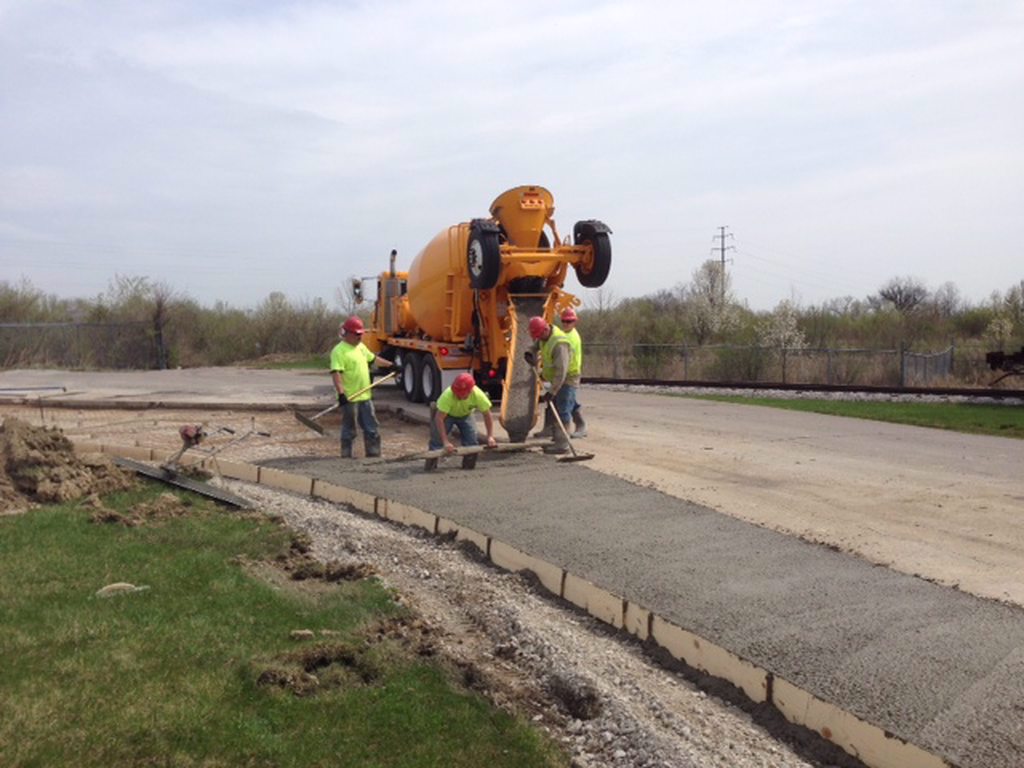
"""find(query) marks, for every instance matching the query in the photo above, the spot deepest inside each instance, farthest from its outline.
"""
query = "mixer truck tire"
(430, 379)
(595, 234)
(412, 367)
(483, 255)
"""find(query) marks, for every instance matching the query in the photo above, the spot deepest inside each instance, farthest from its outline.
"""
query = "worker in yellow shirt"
(454, 410)
(569, 319)
(350, 371)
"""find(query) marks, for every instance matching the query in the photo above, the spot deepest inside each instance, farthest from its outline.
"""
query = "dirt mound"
(38, 465)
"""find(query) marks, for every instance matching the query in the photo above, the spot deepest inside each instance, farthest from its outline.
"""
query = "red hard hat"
(352, 325)
(569, 315)
(538, 327)
(463, 384)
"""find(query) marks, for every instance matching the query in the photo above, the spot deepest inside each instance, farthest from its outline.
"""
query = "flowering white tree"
(710, 304)
(1000, 331)
(780, 331)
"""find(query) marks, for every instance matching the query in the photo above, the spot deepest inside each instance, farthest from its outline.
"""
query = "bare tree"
(904, 294)
(946, 300)
(345, 295)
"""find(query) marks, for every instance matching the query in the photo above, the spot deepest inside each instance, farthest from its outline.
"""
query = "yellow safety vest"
(547, 352)
(576, 361)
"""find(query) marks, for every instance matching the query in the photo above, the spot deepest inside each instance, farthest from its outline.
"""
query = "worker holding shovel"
(454, 409)
(350, 371)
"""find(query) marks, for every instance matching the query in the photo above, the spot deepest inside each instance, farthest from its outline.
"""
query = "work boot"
(580, 424)
(559, 445)
(547, 430)
(430, 465)
(346, 449)
(372, 445)
(469, 461)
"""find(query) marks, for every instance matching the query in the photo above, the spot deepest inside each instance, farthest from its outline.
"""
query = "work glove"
(546, 397)
(529, 357)
(342, 399)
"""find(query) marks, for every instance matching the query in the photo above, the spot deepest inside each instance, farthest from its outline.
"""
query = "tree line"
(904, 312)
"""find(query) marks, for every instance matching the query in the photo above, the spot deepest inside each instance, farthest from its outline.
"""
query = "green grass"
(168, 676)
(1001, 420)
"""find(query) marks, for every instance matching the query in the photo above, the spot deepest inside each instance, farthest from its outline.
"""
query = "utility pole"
(722, 234)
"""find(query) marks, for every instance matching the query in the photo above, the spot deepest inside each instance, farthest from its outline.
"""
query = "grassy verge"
(1001, 420)
(200, 668)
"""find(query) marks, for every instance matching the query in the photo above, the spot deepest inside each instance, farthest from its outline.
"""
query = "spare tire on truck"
(596, 234)
(483, 254)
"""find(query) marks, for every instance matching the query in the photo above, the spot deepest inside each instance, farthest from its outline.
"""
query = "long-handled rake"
(310, 421)
(574, 456)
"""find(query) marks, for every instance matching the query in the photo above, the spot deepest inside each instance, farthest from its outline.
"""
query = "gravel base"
(595, 691)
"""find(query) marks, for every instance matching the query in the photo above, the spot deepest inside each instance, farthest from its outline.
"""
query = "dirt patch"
(38, 465)
(326, 664)
(300, 565)
(166, 506)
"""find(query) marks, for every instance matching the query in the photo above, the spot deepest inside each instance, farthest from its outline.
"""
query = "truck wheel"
(483, 256)
(430, 379)
(595, 234)
(411, 366)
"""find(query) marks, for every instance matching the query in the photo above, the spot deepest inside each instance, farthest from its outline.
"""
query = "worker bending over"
(350, 371)
(575, 367)
(454, 410)
(556, 357)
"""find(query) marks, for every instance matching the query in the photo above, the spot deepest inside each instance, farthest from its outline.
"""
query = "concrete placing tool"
(310, 421)
(174, 473)
(574, 456)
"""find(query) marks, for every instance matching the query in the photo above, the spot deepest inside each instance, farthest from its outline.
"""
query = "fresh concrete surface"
(935, 666)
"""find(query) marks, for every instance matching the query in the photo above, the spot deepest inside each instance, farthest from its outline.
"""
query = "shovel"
(573, 455)
(310, 421)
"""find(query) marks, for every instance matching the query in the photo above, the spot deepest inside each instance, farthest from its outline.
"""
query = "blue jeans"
(364, 412)
(465, 425)
(565, 403)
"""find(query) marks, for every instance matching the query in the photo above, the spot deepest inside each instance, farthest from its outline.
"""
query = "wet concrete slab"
(934, 666)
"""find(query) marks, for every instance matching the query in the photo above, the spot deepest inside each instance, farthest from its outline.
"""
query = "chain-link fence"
(953, 366)
(79, 345)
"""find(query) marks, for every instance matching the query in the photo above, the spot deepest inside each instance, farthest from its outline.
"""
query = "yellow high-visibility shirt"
(452, 406)
(353, 363)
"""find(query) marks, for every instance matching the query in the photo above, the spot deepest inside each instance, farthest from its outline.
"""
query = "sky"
(232, 148)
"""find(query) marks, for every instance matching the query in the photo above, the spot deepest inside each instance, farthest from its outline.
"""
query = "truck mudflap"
(519, 392)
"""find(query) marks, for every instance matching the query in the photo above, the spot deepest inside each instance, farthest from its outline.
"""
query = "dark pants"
(465, 425)
(363, 413)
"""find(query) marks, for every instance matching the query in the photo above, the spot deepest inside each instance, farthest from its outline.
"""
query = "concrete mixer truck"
(466, 301)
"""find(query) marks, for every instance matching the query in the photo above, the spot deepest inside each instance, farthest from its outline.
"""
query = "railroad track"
(980, 393)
